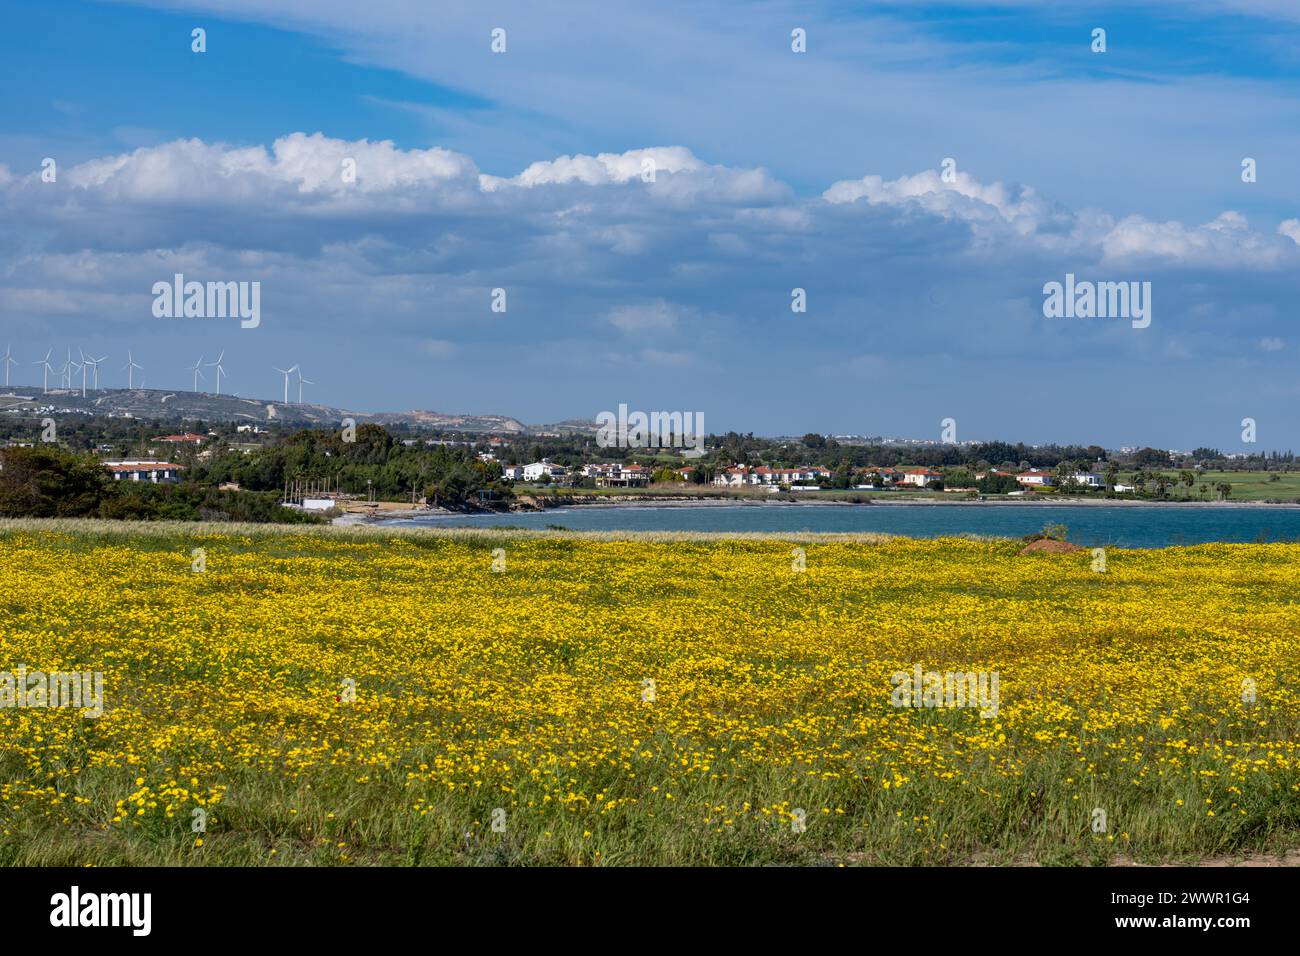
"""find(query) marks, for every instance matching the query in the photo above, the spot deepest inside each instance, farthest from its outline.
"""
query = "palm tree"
(1112, 475)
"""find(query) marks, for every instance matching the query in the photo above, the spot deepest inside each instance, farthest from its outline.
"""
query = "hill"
(175, 406)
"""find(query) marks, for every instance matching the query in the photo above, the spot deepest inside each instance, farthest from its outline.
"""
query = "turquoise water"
(1155, 526)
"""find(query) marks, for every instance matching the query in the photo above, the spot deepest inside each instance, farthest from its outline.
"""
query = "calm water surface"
(1091, 525)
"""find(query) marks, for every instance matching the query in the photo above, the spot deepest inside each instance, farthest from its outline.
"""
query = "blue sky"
(773, 170)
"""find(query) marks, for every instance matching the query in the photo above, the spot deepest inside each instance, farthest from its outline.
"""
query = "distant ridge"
(171, 405)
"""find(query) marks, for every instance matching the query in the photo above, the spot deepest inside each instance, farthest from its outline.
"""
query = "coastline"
(385, 516)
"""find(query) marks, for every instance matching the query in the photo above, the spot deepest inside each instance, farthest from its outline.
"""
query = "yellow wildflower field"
(308, 698)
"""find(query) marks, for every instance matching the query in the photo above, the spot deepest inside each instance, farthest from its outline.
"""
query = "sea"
(1121, 526)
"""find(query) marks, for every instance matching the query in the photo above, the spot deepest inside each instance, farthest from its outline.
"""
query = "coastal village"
(801, 478)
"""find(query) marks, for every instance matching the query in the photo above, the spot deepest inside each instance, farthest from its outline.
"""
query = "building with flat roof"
(153, 471)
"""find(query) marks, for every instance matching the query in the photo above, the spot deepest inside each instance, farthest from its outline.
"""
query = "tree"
(997, 484)
(1065, 480)
(1224, 489)
(1151, 456)
(1112, 475)
(48, 482)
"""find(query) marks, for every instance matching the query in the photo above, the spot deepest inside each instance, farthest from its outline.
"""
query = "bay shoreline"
(383, 517)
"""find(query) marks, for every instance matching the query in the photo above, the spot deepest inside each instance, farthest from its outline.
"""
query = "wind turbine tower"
(286, 372)
(9, 360)
(130, 368)
(47, 368)
(220, 371)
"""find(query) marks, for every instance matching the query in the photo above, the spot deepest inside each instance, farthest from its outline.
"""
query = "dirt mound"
(1050, 546)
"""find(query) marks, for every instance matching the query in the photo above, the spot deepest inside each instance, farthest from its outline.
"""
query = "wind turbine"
(220, 371)
(66, 373)
(85, 365)
(286, 372)
(130, 368)
(197, 373)
(301, 382)
(94, 367)
(9, 360)
(45, 375)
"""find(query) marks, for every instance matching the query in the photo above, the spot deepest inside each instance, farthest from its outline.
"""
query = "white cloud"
(1227, 240)
(963, 198)
(640, 319)
(991, 209)
(607, 167)
(198, 172)
(584, 246)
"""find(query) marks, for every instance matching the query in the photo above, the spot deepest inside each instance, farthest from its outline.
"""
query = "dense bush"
(45, 481)
(48, 482)
(187, 502)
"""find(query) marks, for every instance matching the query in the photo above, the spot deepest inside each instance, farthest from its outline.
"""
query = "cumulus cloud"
(961, 198)
(351, 189)
(1227, 240)
(993, 209)
(606, 167)
(682, 274)
(191, 169)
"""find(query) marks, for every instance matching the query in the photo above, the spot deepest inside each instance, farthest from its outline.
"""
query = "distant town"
(136, 454)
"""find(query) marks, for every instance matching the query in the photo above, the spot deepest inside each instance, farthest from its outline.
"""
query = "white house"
(153, 471)
(921, 477)
(539, 468)
(1035, 478)
(737, 477)
(1089, 479)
